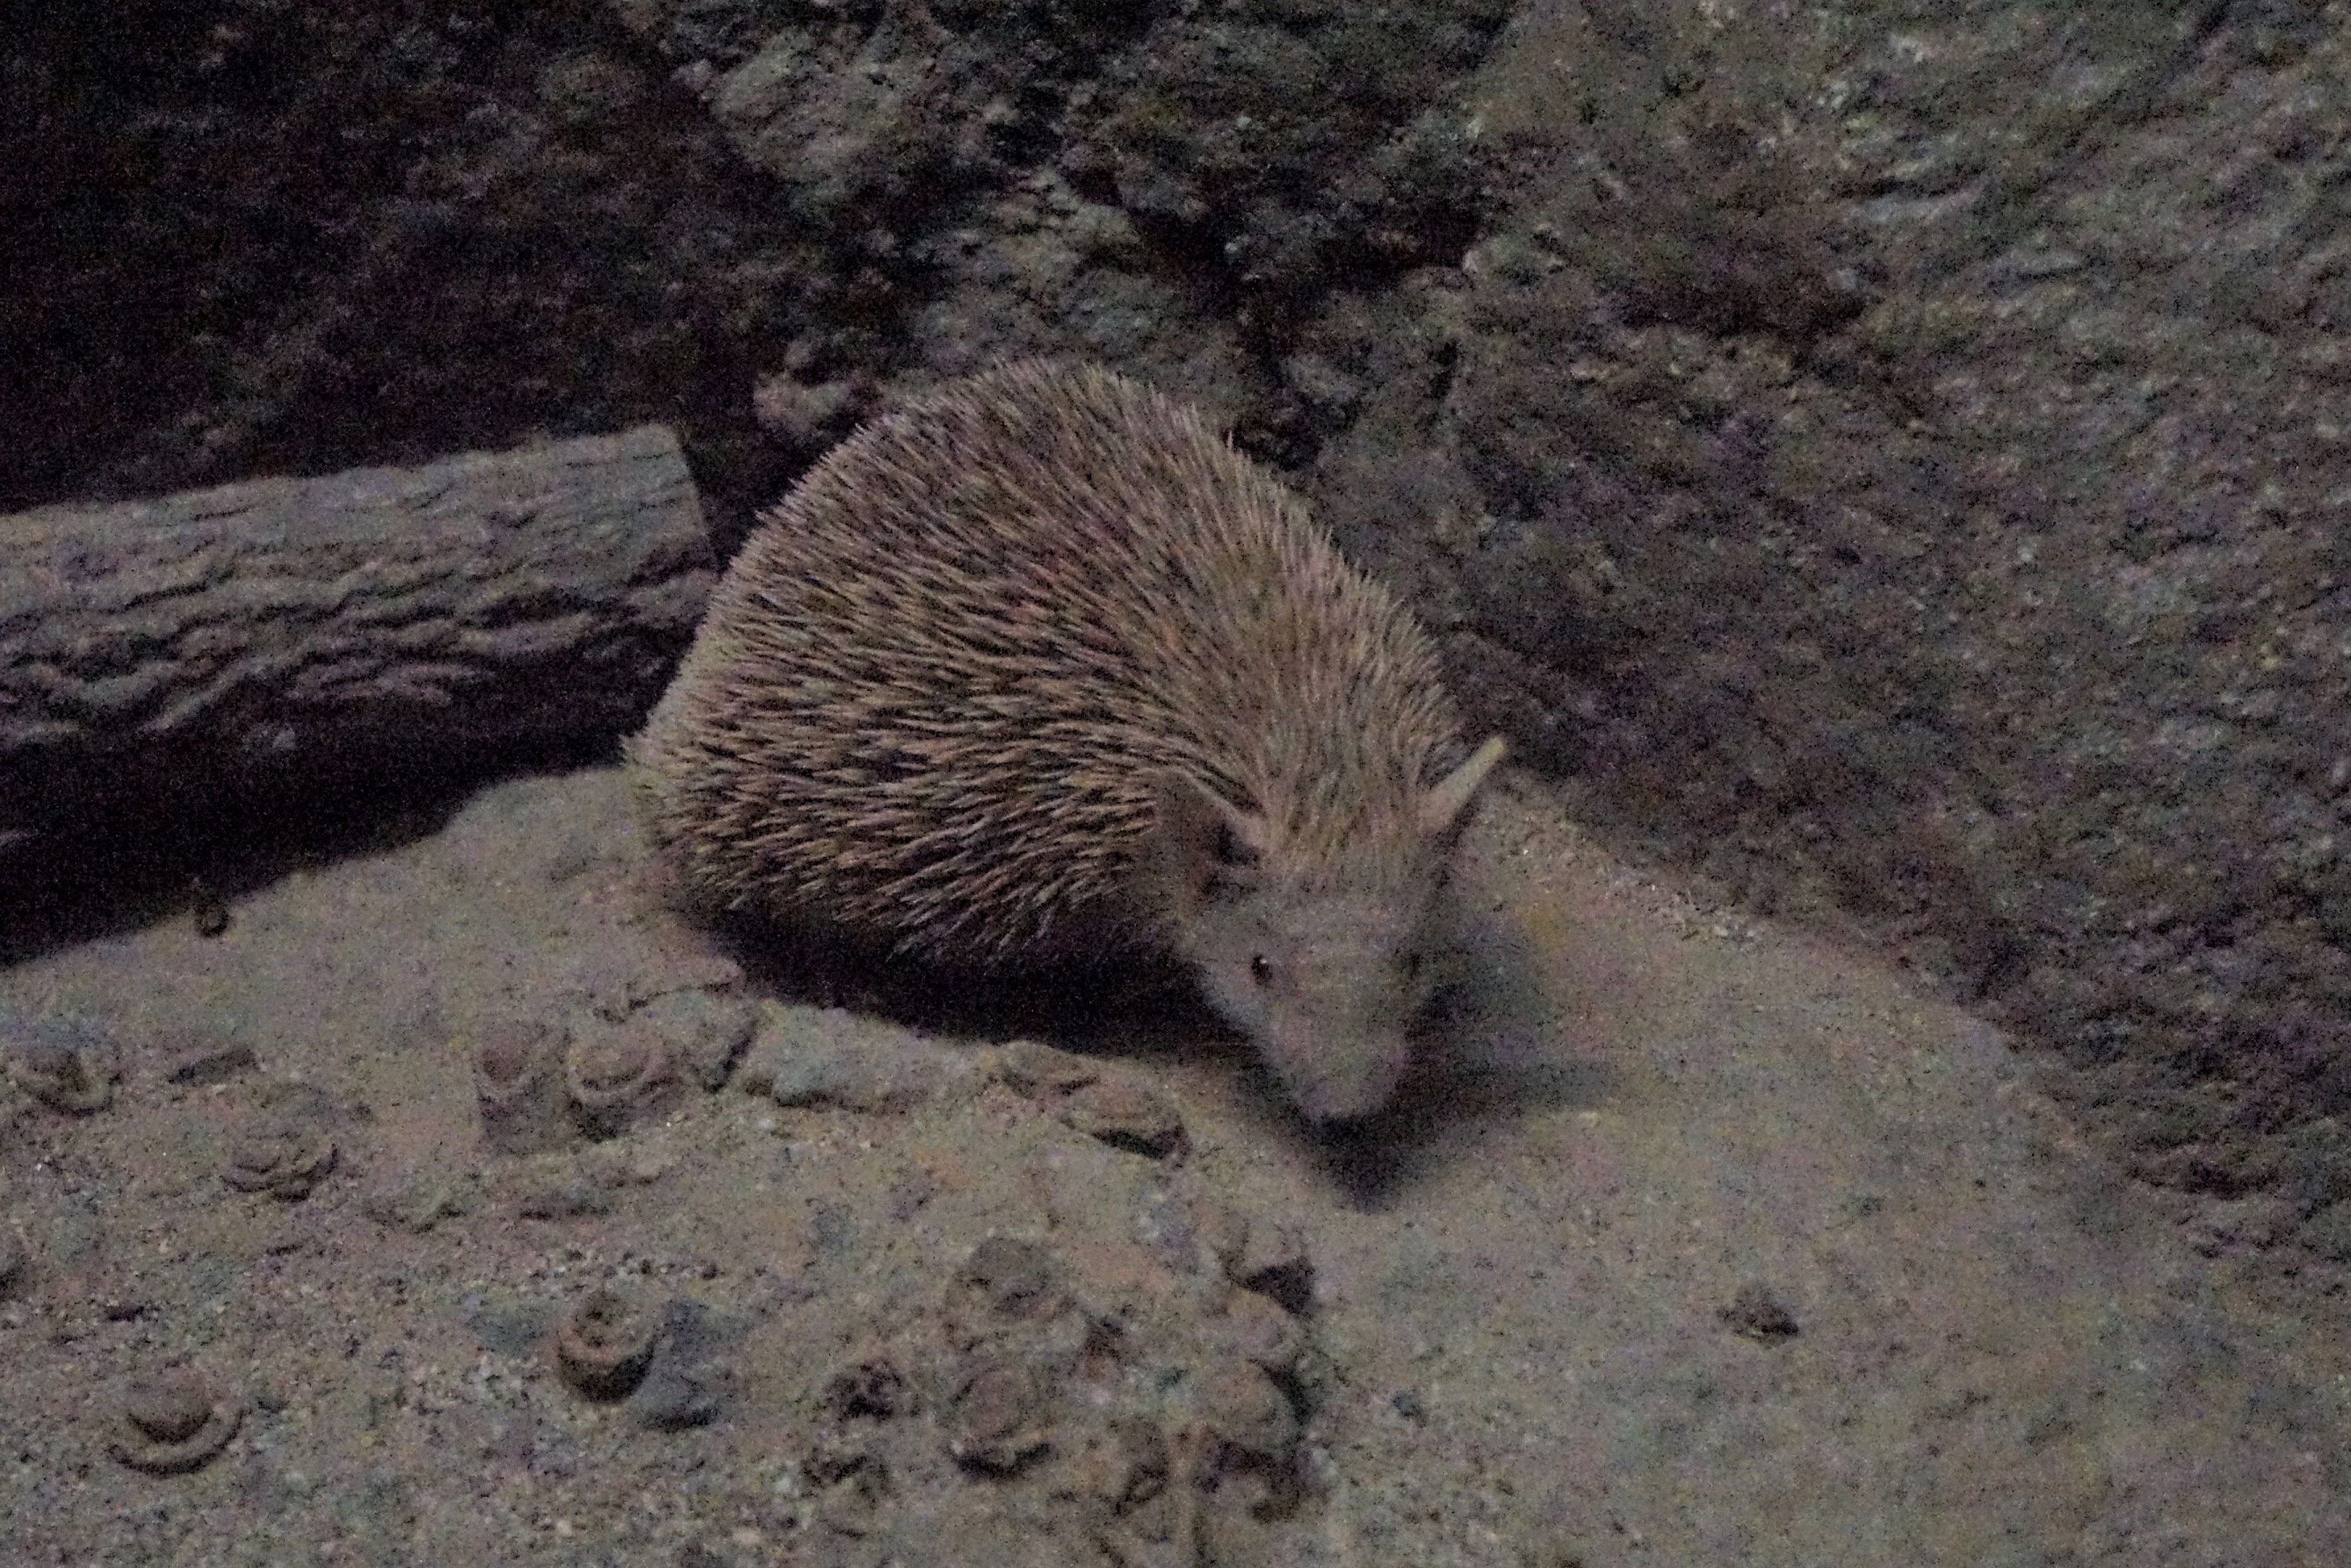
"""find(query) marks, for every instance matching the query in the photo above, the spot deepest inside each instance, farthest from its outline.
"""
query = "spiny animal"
(1037, 667)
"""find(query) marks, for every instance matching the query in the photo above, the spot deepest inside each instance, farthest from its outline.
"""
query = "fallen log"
(363, 623)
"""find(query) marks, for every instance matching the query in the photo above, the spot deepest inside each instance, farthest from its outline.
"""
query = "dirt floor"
(456, 1204)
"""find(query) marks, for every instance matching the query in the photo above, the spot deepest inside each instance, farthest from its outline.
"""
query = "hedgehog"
(1039, 669)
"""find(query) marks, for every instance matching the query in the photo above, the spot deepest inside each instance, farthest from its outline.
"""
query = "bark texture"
(380, 620)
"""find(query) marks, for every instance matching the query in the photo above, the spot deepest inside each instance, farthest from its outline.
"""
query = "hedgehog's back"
(929, 695)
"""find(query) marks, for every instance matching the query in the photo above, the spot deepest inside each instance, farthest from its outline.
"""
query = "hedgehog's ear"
(1198, 842)
(1445, 808)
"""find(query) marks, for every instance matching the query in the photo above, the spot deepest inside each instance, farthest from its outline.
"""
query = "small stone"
(1255, 1328)
(67, 1064)
(614, 1077)
(853, 1489)
(507, 1322)
(1239, 1404)
(830, 1057)
(173, 1422)
(518, 1086)
(606, 1342)
(418, 1201)
(645, 1165)
(1165, 1227)
(170, 1409)
(601, 1073)
(704, 1033)
(1031, 1067)
(1757, 1313)
(210, 1060)
(996, 1421)
(207, 910)
(873, 1389)
(681, 1388)
(805, 416)
(1125, 1116)
(1223, 1231)
(676, 1397)
(282, 1159)
(557, 1186)
(1013, 1278)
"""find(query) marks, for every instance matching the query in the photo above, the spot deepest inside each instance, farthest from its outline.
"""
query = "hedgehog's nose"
(1354, 1084)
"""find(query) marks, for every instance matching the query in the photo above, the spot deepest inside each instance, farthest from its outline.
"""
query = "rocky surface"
(1693, 1241)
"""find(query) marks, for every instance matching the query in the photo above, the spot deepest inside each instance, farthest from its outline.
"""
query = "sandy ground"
(1709, 1245)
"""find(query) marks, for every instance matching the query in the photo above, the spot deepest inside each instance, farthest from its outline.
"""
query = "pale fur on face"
(1323, 961)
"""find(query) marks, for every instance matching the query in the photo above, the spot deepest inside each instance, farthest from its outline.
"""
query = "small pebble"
(803, 416)
(830, 1057)
(1223, 1231)
(850, 1484)
(873, 1389)
(209, 1061)
(555, 1186)
(1254, 1328)
(681, 1389)
(1239, 1404)
(996, 1421)
(518, 1086)
(849, 1505)
(605, 1073)
(1163, 1225)
(705, 1033)
(606, 1342)
(285, 1161)
(67, 1064)
(676, 1397)
(420, 1200)
(1757, 1313)
(1030, 1067)
(1013, 1278)
(1125, 1116)
(618, 1078)
(173, 1422)
(207, 910)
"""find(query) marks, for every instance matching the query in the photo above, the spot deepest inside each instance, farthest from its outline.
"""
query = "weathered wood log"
(368, 621)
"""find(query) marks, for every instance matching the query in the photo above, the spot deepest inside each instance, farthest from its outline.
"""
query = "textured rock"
(828, 1056)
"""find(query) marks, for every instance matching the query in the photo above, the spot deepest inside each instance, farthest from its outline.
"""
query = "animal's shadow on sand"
(1494, 1048)
(1490, 1050)
(1140, 1007)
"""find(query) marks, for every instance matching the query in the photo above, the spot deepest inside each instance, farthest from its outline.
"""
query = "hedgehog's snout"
(1343, 1080)
(1325, 988)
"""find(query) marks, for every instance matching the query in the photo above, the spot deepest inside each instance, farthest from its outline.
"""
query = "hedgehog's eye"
(1261, 969)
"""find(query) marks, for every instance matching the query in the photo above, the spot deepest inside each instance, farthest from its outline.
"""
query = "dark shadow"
(1491, 1049)
(123, 863)
(1137, 1008)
